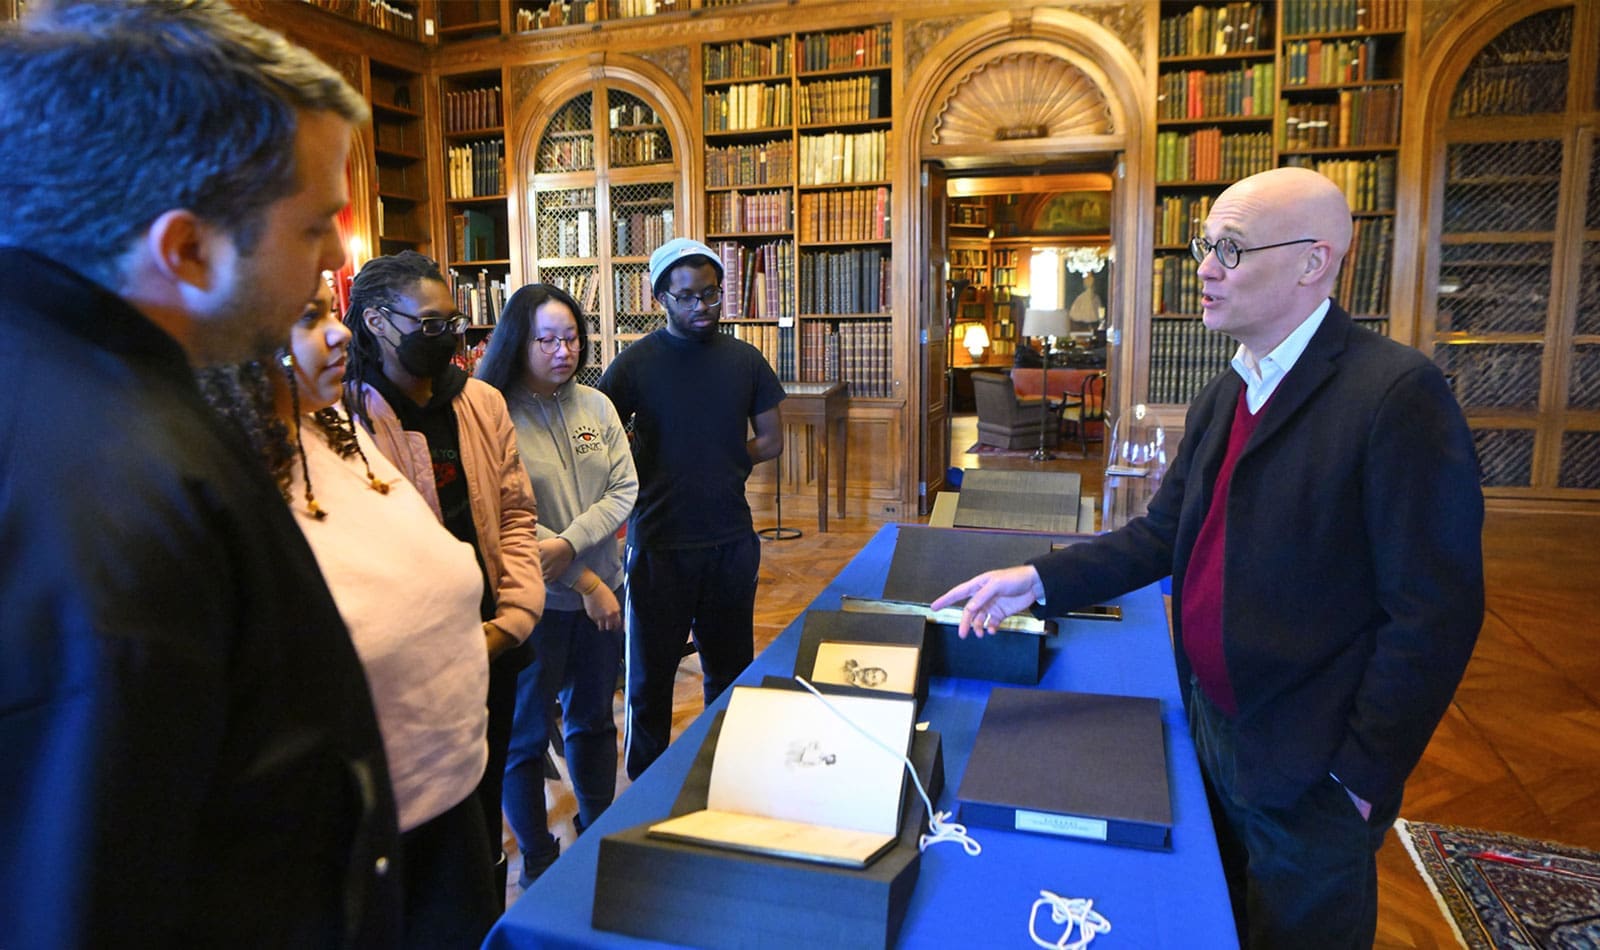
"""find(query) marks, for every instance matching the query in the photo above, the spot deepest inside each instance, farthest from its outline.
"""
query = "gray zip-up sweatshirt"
(577, 456)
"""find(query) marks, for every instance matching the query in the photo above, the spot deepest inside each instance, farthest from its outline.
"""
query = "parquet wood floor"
(1519, 750)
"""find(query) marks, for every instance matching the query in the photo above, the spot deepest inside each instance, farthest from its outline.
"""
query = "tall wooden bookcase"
(1512, 311)
(1244, 87)
(797, 192)
(400, 151)
(473, 168)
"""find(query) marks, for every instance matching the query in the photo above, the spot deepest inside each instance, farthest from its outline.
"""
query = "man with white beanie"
(694, 397)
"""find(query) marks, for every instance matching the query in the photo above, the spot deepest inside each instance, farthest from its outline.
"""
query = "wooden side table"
(820, 406)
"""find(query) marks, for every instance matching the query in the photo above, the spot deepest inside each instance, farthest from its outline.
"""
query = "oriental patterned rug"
(1501, 891)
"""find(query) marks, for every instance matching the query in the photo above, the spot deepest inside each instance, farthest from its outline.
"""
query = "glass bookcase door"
(1516, 298)
(604, 193)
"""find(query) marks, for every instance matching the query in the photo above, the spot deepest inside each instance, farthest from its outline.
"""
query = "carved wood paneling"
(674, 61)
(523, 79)
(922, 35)
(1434, 15)
(1125, 21)
(1022, 95)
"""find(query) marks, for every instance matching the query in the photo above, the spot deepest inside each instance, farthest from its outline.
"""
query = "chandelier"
(1085, 260)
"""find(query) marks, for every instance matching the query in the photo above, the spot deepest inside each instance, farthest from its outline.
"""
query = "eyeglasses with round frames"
(549, 345)
(1229, 251)
(710, 297)
(432, 326)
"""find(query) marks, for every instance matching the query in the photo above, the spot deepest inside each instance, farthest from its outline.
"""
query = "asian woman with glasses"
(577, 456)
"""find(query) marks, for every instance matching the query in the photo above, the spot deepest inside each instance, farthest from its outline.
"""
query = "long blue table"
(1153, 899)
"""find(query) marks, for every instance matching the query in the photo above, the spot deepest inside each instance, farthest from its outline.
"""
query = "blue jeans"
(1301, 876)
(577, 661)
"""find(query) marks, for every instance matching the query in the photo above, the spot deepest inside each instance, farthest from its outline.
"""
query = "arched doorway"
(1018, 92)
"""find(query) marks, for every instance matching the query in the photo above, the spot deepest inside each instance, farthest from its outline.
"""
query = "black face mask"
(425, 356)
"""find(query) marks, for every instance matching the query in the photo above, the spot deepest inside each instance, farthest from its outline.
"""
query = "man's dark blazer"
(1353, 583)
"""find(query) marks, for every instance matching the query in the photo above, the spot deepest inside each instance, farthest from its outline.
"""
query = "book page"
(783, 754)
(885, 666)
(776, 837)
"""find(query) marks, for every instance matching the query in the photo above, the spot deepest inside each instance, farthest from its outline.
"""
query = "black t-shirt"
(691, 403)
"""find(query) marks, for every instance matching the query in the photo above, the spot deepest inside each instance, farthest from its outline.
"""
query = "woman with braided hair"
(408, 592)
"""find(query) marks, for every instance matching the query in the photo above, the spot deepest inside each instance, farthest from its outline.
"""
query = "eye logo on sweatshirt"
(586, 439)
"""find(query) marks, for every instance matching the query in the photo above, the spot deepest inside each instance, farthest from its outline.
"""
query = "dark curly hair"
(380, 283)
(506, 360)
(241, 393)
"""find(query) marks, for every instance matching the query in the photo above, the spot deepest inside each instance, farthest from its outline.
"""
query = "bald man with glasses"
(1321, 525)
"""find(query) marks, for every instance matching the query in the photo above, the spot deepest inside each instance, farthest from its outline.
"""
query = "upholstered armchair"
(1008, 421)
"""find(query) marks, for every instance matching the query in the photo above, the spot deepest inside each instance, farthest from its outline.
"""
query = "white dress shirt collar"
(1262, 376)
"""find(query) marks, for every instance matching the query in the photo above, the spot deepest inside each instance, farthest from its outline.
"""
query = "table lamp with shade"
(1049, 324)
(975, 340)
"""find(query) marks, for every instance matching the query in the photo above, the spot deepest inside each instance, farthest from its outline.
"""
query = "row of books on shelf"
(583, 284)
(762, 163)
(872, 46)
(750, 59)
(482, 299)
(471, 109)
(845, 281)
(1174, 285)
(628, 9)
(638, 231)
(1208, 31)
(632, 294)
(557, 13)
(565, 155)
(755, 280)
(1181, 217)
(976, 277)
(1361, 117)
(855, 99)
(749, 106)
(861, 214)
(377, 13)
(775, 343)
(1363, 286)
(567, 233)
(1512, 88)
(1197, 94)
(640, 147)
(1336, 16)
(1326, 62)
(1184, 356)
(762, 212)
(477, 169)
(633, 112)
(474, 236)
(859, 353)
(840, 158)
(1367, 183)
(1210, 155)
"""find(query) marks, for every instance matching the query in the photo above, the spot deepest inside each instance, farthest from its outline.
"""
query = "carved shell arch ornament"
(1022, 96)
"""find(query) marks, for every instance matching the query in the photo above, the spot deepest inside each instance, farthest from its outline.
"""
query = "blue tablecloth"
(1153, 899)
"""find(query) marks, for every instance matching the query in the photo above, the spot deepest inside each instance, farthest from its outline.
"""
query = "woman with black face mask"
(445, 432)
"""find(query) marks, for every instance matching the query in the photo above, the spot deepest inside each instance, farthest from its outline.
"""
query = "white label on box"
(1066, 825)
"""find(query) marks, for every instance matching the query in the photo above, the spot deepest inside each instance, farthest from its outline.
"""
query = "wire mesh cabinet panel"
(1515, 297)
(604, 192)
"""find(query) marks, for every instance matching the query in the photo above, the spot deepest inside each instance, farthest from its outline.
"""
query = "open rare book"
(791, 779)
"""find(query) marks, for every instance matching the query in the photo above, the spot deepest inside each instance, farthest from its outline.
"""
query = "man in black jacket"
(1321, 524)
(190, 753)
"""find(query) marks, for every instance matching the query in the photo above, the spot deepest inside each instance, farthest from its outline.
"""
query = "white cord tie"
(1077, 913)
(942, 831)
